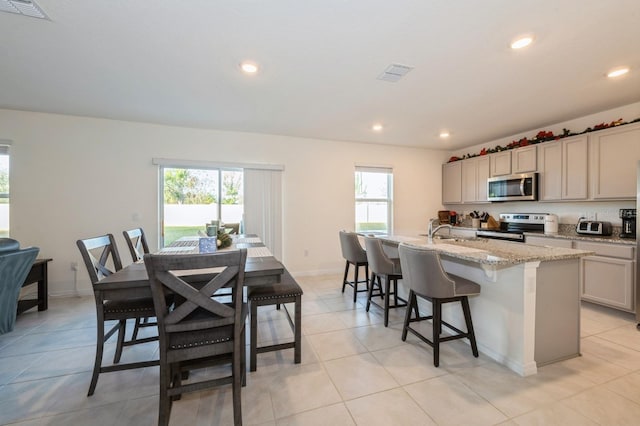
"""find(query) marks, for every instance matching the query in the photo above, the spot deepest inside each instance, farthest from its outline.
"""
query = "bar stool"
(286, 291)
(425, 277)
(385, 268)
(355, 255)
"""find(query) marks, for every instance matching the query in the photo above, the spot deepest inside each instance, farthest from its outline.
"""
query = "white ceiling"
(176, 62)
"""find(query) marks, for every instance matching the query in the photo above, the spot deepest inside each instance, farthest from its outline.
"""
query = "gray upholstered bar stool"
(386, 269)
(355, 255)
(423, 274)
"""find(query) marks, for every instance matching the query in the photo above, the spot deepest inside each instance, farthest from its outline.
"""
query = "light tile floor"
(354, 371)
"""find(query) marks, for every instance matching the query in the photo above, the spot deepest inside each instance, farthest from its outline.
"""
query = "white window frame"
(389, 199)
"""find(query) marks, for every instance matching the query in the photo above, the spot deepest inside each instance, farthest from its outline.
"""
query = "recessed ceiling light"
(618, 72)
(249, 67)
(444, 134)
(521, 42)
(377, 127)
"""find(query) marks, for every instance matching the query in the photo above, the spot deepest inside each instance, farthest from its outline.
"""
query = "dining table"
(132, 281)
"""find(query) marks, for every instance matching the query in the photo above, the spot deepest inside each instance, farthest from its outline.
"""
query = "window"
(374, 206)
(193, 197)
(4, 190)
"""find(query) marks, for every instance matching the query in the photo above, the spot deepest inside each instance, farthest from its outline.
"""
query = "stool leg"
(407, 315)
(370, 292)
(467, 320)
(297, 354)
(355, 284)
(437, 326)
(386, 301)
(254, 337)
(346, 273)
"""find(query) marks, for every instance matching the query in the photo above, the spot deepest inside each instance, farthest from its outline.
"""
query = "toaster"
(593, 227)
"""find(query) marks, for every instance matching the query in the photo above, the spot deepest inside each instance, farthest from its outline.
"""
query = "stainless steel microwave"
(513, 187)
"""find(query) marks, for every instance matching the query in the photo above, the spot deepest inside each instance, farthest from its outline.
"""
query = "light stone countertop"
(489, 252)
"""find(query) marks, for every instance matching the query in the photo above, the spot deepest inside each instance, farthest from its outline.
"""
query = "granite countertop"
(490, 252)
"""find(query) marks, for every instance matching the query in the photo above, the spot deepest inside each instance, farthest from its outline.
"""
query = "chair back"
(15, 264)
(379, 262)
(199, 311)
(137, 243)
(352, 250)
(100, 255)
(422, 271)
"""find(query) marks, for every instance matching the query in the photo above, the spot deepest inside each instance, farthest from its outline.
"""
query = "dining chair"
(201, 330)
(353, 254)
(15, 264)
(383, 268)
(423, 274)
(100, 255)
(138, 247)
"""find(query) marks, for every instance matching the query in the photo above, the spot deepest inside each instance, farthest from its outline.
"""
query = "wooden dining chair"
(138, 247)
(201, 330)
(101, 258)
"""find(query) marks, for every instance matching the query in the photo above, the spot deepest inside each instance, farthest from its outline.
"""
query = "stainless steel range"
(514, 225)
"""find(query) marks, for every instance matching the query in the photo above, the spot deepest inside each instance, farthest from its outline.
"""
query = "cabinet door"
(452, 183)
(608, 281)
(501, 163)
(483, 174)
(469, 180)
(574, 168)
(523, 160)
(550, 171)
(615, 154)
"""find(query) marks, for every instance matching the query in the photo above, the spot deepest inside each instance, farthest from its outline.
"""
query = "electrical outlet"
(306, 253)
(592, 216)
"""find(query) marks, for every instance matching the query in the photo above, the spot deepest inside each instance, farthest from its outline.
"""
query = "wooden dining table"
(132, 281)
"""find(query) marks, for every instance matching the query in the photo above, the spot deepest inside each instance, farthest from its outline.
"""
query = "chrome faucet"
(432, 231)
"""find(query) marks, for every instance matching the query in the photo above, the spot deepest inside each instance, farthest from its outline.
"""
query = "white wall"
(76, 177)
(568, 212)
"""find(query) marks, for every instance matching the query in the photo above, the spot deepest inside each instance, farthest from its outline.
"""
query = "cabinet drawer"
(610, 250)
(548, 241)
(608, 281)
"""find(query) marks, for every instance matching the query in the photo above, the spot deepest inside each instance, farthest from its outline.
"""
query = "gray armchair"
(15, 264)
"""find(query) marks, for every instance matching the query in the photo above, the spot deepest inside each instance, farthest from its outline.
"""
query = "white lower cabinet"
(608, 277)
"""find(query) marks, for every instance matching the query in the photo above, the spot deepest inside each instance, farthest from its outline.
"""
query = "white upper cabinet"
(523, 160)
(452, 182)
(614, 162)
(562, 167)
(500, 163)
(475, 172)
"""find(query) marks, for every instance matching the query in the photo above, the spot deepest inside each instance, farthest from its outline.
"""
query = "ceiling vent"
(394, 72)
(22, 7)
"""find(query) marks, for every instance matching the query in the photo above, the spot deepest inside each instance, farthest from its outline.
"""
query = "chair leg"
(243, 357)
(253, 337)
(386, 301)
(467, 320)
(164, 403)
(370, 292)
(297, 354)
(122, 330)
(407, 315)
(355, 284)
(366, 275)
(237, 382)
(98, 361)
(136, 328)
(346, 274)
(437, 327)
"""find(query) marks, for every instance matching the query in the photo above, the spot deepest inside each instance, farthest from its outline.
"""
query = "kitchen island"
(528, 312)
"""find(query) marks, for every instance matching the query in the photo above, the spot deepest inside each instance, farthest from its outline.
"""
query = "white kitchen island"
(528, 312)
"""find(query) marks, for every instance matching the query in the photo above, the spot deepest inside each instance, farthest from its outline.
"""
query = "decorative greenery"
(542, 136)
(224, 239)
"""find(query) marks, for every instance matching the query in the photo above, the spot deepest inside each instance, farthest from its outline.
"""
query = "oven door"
(521, 187)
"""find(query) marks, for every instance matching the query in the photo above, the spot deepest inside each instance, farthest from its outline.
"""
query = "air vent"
(394, 72)
(22, 7)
